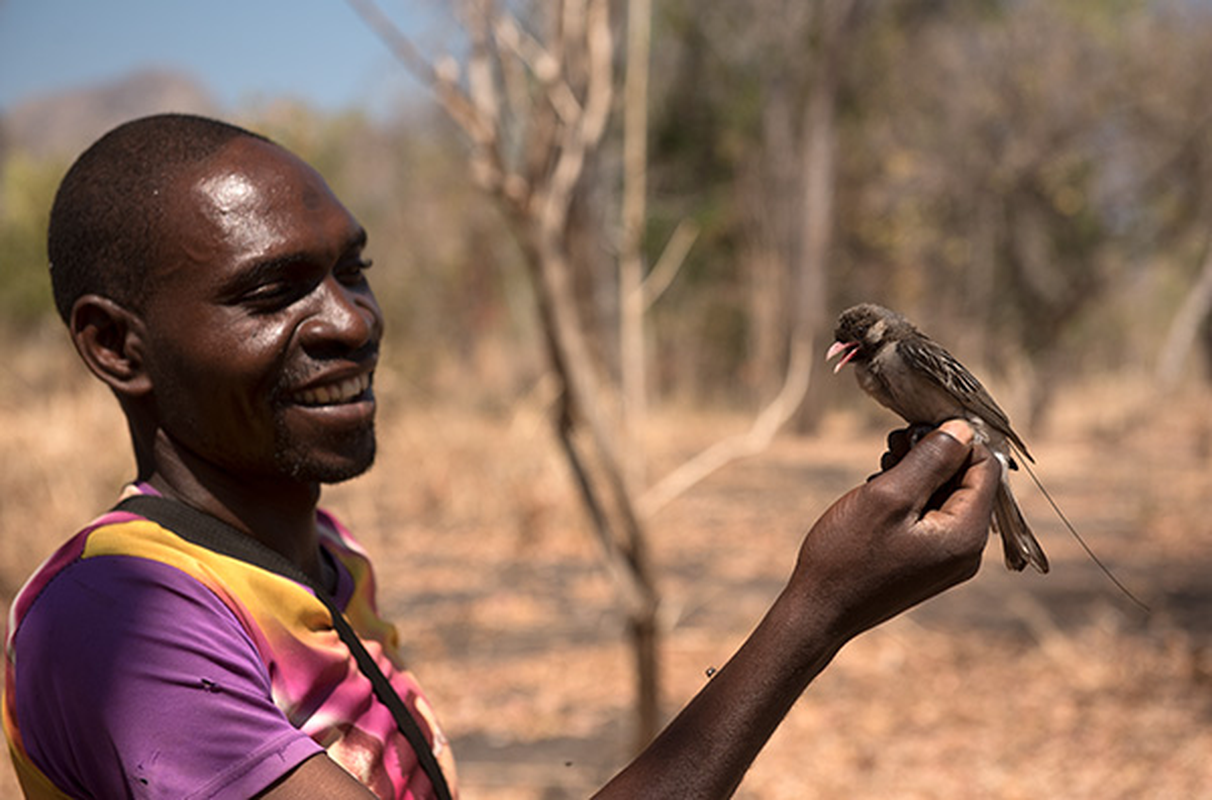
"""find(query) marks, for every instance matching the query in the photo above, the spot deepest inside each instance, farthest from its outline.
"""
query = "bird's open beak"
(850, 349)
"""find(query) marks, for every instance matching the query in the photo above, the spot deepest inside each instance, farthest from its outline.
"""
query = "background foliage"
(1028, 180)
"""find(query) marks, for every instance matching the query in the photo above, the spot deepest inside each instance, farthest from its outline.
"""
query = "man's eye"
(353, 272)
(271, 294)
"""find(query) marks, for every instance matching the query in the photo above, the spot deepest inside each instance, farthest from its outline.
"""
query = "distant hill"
(65, 123)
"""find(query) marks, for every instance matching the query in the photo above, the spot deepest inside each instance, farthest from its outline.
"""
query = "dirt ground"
(1012, 686)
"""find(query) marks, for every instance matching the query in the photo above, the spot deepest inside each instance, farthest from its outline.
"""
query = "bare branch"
(481, 84)
(479, 118)
(578, 139)
(542, 65)
(743, 445)
(443, 82)
(670, 262)
(513, 71)
(600, 44)
(1184, 329)
(571, 30)
(632, 360)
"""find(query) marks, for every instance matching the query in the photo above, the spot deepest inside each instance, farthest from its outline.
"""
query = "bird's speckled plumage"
(914, 376)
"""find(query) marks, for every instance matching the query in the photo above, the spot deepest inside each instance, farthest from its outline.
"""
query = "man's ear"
(110, 338)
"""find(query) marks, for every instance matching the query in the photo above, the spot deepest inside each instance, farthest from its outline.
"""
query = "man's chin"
(342, 474)
(327, 466)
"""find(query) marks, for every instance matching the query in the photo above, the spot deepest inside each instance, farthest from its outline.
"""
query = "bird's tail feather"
(1018, 543)
(1069, 525)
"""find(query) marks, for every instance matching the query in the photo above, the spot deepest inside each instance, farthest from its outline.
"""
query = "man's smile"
(344, 391)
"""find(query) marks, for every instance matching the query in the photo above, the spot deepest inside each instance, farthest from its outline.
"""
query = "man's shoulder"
(114, 639)
(127, 557)
(117, 559)
(61, 560)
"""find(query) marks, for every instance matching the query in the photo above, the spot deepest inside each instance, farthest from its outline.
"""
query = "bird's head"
(861, 331)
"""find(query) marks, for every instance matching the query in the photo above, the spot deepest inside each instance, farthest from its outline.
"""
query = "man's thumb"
(936, 458)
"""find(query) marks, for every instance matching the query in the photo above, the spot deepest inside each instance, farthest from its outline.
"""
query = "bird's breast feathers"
(897, 385)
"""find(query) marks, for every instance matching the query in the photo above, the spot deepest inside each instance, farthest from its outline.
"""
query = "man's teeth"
(334, 393)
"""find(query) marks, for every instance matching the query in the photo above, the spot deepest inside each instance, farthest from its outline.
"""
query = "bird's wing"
(929, 358)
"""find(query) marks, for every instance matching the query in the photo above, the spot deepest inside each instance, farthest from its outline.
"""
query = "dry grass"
(1012, 686)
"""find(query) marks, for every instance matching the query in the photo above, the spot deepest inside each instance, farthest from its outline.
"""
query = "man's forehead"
(256, 191)
(242, 206)
(249, 171)
(250, 201)
(229, 189)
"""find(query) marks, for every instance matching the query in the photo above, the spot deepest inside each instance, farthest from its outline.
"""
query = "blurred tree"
(534, 101)
(27, 188)
(1010, 171)
(534, 108)
(766, 81)
(1167, 130)
(963, 162)
(985, 199)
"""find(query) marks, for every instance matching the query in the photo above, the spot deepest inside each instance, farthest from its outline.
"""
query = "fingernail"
(958, 429)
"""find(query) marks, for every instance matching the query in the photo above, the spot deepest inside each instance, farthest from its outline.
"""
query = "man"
(211, 279)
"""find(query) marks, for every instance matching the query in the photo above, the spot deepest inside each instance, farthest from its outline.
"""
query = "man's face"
(263, 333)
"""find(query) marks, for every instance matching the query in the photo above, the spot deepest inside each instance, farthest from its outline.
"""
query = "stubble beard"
(332, 460)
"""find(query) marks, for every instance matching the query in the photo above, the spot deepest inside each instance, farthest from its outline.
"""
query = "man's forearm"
(879, 550)
(707, 749)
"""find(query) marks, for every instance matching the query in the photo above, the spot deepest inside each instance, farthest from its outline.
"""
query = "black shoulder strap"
(206, 531)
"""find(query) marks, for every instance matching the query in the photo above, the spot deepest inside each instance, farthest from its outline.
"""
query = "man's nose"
(345, 319)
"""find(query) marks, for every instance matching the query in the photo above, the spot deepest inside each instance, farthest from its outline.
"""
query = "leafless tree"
(534, 107)
(798, 53)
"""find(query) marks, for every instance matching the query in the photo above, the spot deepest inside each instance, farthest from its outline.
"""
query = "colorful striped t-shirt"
(141, 665)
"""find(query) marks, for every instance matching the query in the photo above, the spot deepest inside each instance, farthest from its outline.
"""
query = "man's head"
(104, 224)
(214, 282)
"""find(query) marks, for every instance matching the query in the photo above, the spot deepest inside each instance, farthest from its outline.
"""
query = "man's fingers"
(934, 461)
(900, 442)
(960, 429)
(978, 485)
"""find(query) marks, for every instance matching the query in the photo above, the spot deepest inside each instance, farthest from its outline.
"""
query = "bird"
(909, 373)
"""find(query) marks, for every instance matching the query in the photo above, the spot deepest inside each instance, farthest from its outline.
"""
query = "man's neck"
(279, 514)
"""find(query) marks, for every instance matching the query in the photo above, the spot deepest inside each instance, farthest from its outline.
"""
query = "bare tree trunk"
(623, 538)
(819, 148)
(773, 198)
(645, 632)
(631, 263)
(1184, 328)
(766, 282)
(535, 112)
(818, 176)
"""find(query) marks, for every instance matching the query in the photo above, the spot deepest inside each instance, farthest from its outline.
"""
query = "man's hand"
(904, 536)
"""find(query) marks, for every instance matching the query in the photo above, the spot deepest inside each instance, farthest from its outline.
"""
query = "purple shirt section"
(163, 674)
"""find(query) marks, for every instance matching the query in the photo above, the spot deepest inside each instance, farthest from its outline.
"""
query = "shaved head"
(104, 226)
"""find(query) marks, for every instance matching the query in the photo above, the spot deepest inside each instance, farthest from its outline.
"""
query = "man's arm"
(317, 777)
(907, 535)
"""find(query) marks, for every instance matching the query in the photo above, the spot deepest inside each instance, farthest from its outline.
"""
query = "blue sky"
(241, 50)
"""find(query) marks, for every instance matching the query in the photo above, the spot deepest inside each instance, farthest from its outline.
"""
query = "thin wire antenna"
(1106, 570)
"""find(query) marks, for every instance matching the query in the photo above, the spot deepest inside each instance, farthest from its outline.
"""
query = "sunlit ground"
(1012, 686)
